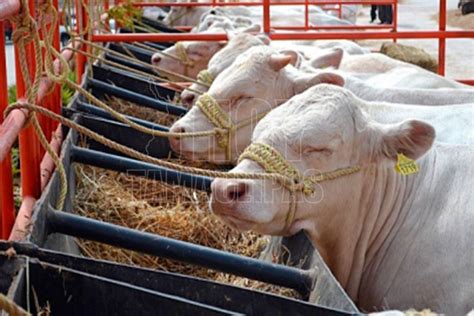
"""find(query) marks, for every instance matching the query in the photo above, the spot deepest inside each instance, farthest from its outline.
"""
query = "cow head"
(257, 81)
(319, 131)
(237, 44)
(188, 59)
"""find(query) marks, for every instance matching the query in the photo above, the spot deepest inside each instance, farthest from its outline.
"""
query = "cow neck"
(364, 223)
(283, 88)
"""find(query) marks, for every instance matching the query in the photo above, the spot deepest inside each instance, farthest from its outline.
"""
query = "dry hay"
(456, 19)
(410, 54)
(141, 112)
(168, 210)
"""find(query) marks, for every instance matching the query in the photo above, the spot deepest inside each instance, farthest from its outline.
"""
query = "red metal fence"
(30, 152)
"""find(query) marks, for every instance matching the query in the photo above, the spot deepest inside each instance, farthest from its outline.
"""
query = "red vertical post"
(395, 18)
(266, 16)
(56, 96)
(442, 40)
(306, 15)
(28, 141)
(81, 20)
(7, 216)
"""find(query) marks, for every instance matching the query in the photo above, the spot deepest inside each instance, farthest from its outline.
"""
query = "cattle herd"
(394, 238)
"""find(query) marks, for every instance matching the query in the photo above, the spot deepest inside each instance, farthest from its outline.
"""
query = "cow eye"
(238, 100)
(317, 150)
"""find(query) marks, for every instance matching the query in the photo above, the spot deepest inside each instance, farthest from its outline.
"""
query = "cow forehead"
(311, 113)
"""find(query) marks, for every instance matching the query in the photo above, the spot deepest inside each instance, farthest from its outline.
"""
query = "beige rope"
(221, 120)
(140, 156)
(205, 78)
(156, 68)
(10, 307)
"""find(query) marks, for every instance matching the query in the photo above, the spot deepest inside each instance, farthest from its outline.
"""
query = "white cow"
(382, 71)
(237, 44)
(279, 16)
(441, 96)
(257, 81)
(391, 240)
(198, 52)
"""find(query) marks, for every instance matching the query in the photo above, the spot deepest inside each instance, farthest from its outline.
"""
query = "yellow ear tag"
(406, 166)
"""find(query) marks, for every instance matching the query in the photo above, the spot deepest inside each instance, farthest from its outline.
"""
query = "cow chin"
(237, 223)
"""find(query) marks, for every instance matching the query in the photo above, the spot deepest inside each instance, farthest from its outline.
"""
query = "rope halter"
(273, 162)
(205, 78)
(183, 55)
(225, 128)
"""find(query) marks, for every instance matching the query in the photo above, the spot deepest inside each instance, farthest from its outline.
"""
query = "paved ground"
(10, 65)
(418, 14)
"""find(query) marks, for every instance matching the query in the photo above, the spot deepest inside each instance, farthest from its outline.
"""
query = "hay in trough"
(410, 54)
(168, 210)
(141, 112)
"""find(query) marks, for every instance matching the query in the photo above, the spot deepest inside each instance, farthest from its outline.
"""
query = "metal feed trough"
(49, 262)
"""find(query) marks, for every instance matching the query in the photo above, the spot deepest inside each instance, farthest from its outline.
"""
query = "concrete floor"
(10, 64)
(418, 15)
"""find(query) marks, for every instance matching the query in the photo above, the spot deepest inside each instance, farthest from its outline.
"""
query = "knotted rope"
(205, 78)
(220, 119)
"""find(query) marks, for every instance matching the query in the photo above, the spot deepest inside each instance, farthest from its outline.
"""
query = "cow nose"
(155, 59)
(175, 142)
(188, 99)
(236, 191)
(226, 192)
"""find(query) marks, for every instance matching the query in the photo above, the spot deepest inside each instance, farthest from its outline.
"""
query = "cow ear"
(279, 61)
(254, 28)
(265, 39)
(413, 138)
(295, 57)
(305, 82)
(328, 59)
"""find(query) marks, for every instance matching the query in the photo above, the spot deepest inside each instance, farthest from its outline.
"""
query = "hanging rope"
(10, 307)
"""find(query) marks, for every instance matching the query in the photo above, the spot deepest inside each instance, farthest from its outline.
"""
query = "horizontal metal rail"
(256, 3)
(91, 109)
(284, 36)
(137, 98)
(139, 168)
(81, 227)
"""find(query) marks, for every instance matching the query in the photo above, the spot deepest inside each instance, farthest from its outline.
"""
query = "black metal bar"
(91, 109)
(139, 168)
(137, 98)
(81, 227)
(127, 80)
(139, 53)
(76, 293)
(130, 64)
(204, 291)
(160, 26)
(156, 45)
